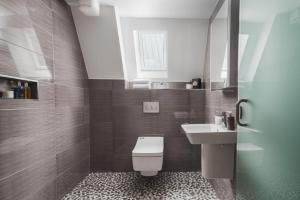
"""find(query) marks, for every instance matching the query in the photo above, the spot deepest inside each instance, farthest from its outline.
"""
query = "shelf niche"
(6, 84)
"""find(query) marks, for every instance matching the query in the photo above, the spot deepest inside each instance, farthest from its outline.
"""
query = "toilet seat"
(149, 147)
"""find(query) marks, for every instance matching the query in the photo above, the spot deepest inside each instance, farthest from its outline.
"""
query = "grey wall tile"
(170, 119)
(178, 147)
(61, 9)
(218, 101)
(68, 179)
(116, 126)
(197, 99)
(131, 121)
(101, 97)
(28, 181)
(118, 85)
(102, 162)
(101, 114)
(67, 117)
(35, 10)
(130, 97)
(102, 129)
(170, 97)
(18, 157)
(122, 163)
(196, 162)
(13, 32)
(229, 98)
(177, 164)
(213, 98)
(67, 159)
(47, 2)
(70, 96)
(40, 121)
(176, 85)
(197, 116)
(45, 145)
(69, 137)
(100, 84)
(47, 192)
(102, 138)
(124, 147)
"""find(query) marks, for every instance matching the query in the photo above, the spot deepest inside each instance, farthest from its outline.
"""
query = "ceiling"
(164, 8)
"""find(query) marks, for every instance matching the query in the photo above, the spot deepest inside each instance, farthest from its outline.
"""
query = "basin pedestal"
(217, 160)
(218, 148)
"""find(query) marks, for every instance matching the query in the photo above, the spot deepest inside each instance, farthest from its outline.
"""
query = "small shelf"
(9, 88)
(226, 89)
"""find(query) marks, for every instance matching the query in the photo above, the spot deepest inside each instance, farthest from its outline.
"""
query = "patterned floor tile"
(133, 186)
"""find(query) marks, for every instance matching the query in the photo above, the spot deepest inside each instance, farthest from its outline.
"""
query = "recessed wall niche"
(18, 88)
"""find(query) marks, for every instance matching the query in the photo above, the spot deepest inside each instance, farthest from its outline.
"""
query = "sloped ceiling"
(164, 8)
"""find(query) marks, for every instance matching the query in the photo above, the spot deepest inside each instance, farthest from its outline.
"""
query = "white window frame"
(140, 56)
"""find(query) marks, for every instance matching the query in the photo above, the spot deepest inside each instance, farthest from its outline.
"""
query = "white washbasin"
(209, 134)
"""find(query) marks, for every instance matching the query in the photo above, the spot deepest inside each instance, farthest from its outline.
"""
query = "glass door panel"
(268, 159)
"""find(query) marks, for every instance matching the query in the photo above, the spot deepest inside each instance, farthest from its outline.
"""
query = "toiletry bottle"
(218, 119)
(9, 94)
(12, 87)
(27, 91)
(17, 90)
(230, 122)
(21, 90)
(224, 114)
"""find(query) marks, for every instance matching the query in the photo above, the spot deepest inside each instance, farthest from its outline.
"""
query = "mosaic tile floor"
(131, 186)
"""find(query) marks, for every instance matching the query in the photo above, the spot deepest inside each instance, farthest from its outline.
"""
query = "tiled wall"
(44, 144)
(219, 101)
(117, 119)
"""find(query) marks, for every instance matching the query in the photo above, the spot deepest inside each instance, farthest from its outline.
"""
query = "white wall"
(99, 41)
(187, 39)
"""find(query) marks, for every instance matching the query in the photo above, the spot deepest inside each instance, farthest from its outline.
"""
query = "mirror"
(223, 42)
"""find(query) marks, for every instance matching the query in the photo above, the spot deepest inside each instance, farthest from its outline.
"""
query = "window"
(151, 50)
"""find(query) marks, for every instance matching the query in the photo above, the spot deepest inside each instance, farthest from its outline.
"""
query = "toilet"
(147, 155)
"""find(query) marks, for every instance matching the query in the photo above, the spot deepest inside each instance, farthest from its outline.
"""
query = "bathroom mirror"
(223, 45)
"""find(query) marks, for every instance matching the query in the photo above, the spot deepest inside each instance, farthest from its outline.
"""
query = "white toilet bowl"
(147, 155)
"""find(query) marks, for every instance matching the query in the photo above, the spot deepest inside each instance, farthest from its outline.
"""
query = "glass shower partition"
(268, 160)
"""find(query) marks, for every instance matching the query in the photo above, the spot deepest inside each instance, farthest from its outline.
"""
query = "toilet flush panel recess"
(151, 107)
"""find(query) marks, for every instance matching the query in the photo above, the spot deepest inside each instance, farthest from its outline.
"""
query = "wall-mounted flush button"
(151, 107)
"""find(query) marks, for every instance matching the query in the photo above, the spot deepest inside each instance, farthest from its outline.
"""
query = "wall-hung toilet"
(147, 155)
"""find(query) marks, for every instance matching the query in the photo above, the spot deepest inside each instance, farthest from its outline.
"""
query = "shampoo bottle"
(27, 91)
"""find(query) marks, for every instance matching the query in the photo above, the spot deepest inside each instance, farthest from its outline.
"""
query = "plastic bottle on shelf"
(27, 91)
(19, 91)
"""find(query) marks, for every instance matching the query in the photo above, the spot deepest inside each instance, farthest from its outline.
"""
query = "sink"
(218, 146)
(209, 134)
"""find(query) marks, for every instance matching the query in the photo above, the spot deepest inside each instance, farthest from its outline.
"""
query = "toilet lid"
(149, 146)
